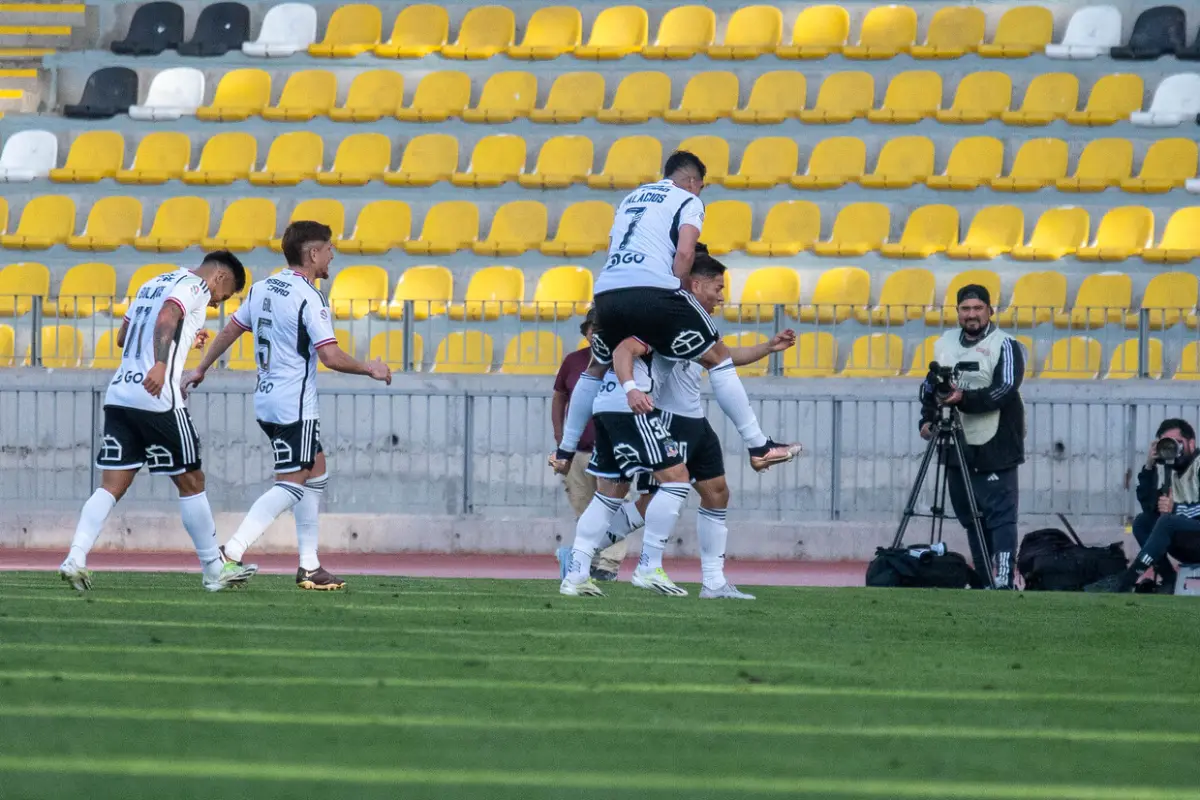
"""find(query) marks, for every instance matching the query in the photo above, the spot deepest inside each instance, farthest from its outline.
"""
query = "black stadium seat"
(108, 92)
(221, 27)
(1192, 51)
(1158, 32)
(155, 27)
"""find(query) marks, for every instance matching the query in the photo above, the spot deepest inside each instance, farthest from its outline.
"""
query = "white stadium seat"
(173, 93)
(28, 155)
(1176, 100)
(1092, 32)
(287, 29)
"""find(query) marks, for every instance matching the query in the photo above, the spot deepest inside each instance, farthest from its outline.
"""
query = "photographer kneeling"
(993, 421)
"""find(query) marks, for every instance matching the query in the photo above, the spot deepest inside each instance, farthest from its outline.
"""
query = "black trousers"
(997, 498)
(1167, 534)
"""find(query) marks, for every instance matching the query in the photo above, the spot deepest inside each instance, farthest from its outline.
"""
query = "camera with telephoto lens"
(944, 377)
(1167, 450)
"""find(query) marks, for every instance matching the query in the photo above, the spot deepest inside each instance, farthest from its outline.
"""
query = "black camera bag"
(896, 566)
(1051, 560)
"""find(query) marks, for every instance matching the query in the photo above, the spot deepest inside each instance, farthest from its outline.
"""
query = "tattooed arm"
(165, 328)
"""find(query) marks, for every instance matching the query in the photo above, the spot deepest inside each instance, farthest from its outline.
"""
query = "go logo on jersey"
(624, 258)
(128, 376)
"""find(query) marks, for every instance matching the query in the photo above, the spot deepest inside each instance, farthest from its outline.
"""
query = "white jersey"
(185, 289)
(645, 232)
(611, 399)
(677, 387)
(289, 319)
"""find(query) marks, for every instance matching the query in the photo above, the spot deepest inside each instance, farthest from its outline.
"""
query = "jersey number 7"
(636, 213)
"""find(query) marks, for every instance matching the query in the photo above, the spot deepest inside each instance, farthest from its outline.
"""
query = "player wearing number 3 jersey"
(292, 329)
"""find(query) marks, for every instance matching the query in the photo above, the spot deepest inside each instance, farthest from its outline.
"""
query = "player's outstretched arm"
(623, 358)
(685, 251)
(169, 319)
(748, 355)
(338, 360)
(224, 341)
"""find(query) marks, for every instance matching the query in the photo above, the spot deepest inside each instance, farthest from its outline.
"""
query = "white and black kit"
(629, 444)
(677, 395)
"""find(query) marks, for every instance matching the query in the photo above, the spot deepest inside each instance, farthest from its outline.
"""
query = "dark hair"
(588, 322)
(300, 233)
(1182, 424)
(682, 159)
(705, 266)
(230, 262)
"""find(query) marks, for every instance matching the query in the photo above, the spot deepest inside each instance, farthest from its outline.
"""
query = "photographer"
(987, 397)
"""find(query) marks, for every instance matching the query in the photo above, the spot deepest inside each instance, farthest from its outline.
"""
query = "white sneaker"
(726, 592)
(230, 573)
(79, 578)
(586, 589)
(656, 580)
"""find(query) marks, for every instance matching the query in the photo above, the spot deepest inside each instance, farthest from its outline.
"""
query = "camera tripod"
(947, 433)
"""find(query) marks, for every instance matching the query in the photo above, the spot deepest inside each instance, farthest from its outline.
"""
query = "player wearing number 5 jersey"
(292, 329)
(146, 422)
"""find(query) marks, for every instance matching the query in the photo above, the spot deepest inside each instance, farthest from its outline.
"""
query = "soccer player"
(146, 419)
(291, 324)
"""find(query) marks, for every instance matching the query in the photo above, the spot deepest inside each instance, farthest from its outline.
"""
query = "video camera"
(944, 377)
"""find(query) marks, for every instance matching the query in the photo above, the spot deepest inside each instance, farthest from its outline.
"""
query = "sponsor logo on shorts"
(687, 342)
(111, 450)
(600, 348)
(283, 451)
(159, 457)
(626, 455)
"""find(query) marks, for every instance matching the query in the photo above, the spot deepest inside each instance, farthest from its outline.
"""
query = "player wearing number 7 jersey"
(292, 329)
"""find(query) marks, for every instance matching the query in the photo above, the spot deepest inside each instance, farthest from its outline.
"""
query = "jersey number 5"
(262, 344)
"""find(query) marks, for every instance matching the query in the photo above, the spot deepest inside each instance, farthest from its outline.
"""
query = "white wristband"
(629, 386)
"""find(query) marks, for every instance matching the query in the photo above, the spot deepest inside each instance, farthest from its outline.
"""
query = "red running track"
(423, 565)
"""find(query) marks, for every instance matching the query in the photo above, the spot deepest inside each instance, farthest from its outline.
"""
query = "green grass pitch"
(400, 688)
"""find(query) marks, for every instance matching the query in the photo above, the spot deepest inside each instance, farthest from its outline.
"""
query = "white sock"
(91, 521)
(625, 522)
(661, 516)
(579, 411)
(731, 397)
(712, 533)
(276, 500)
(198, 522)
(589, 533)
(307, 523)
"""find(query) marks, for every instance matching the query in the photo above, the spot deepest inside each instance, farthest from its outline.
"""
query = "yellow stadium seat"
(358, 291)
(752, 31)
(247, 223)
(561, 293)
(707, 97)
(113, 222)
(1074, 358)
(840, 292)
(61, 347)
(517, 227)
(240, 94)
(360, 159)
(241, 357)
(1113, 99)
(1030, 353)
(814, 356)
(903, 162)
(922, 357)
(928, 230)
(160, 157)
(226, 157)
(1180, 240)
(766, 162)
(683, 32)
(294, 157)
(979, 97)
(886, 32)
(373, 95)
(492, 292)
(307, 94)
(618, 31)
(353, 30)
(1188, 370)
(631, 161)
(817, 32)
(7, 346)
(1103, 163)
(714, 152)
(345, 340)
(388, 347)
(974, 162)
(85, 290)
(640, 96)
(496, 160)
(1168, 164)
(860, 228)
(843, 96)
(382, 225)
(485, 31)
(1022, 31)
(430, 288)
(1059, 232)
(775, 97)
(551, 32)
(327, 212)
(1102, 299)
(1039, 163)
(876, 355)
(1126, 361)
(1167, 299)
(1123, 233)
(994, 231)
(911, 97)
(19, 284)
(105, 353)
(833, 163)
(46, 220)
(449, 226)
(906, 294)
(464, 352)
(439, 96)
(764, 289)
(428, 158)
(1048, 97)
(179, 223)
(948, 313)
(582, 230)
(790, 227)
(94, 156)
(506, 96)
(562, 162)
(727, 226)
(420, 30)
(756, 369)
(1037, 297)
(574, 96)
(953, 32)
